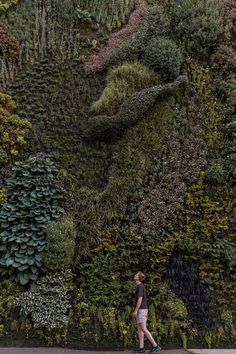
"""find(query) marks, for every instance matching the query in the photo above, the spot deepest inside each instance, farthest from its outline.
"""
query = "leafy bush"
(5, 5)
(98, 61)
(215, 174)
(8, 293)
(164, 56)
(9, 47)
(33, 201)
(198, 25)
(134, 108)
(112, 14)
(82, 15)
(123, 82)
(59, 252)
(13, 130)
(49, 304)
(156, 23)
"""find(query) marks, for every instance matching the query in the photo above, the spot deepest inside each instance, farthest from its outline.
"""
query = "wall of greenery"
(129, 166)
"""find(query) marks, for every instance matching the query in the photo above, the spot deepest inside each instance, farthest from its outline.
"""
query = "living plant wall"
(117, 154)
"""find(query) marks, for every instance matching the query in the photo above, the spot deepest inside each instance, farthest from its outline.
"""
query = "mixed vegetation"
(117, 154)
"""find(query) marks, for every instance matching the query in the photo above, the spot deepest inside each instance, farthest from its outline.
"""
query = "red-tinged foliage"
(9, 46)
(224, 58)
(229, 11)
(97, 61)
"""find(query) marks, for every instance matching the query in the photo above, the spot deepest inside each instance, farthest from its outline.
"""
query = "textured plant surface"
(34, 200)
(135, 103)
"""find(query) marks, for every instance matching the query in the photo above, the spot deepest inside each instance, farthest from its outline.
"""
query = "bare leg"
(148, 334)
(141, 336)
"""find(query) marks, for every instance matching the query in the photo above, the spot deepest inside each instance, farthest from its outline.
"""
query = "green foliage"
(8, 293)
(13, 130)
(215, 174)
(164, 56)
(112, 14)
(49, 304)
(123, 82)
(133, 109)
(156, 23)
(6, 4)
(82, 15)
(60, 239)
(198, 25)
(50, 89)
(127, 195)
(34, 199)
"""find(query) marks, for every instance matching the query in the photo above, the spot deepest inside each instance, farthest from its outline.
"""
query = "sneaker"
(156, 349)
(139, 350)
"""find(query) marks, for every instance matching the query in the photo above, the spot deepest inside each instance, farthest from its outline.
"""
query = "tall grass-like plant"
(110, 13)
(123, 82)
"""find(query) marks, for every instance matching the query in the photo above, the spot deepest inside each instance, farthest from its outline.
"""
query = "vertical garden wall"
(117, 154)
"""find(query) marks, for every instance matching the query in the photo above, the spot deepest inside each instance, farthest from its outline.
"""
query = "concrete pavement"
(71, 351)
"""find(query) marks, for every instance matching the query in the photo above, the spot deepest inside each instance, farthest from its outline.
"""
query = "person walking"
(140, 314)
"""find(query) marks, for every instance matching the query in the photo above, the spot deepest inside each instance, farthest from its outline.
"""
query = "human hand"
(134, 314)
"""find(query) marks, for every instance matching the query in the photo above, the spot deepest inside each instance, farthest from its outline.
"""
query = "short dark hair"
(141, 276)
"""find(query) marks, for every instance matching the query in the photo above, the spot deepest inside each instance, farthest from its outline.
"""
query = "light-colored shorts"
(142, 316)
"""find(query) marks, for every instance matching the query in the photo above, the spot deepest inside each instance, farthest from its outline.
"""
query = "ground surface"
(69, 351)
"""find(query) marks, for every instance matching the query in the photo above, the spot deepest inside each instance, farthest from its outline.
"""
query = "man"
(140, 314)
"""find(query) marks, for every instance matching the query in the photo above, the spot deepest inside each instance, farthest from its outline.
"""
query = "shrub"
(33, 201)
(112, 14)
(182, 159)
(134, 108)
(215, 174)
(60, 238)
(198, 25)
(49, 304)
(82, 15)
(164, 55)
(13, 130)
(123, 82)
(156, 23)
(98, 61)
(9, 47)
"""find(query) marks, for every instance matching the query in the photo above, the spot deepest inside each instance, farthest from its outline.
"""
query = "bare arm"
(139, 302)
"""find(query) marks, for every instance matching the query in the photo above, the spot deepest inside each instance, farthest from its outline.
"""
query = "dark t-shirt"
(141, 291)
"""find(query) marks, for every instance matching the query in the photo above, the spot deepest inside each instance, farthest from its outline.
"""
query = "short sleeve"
(141, 291)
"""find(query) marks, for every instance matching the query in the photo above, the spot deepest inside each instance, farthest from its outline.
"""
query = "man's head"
(139, 277)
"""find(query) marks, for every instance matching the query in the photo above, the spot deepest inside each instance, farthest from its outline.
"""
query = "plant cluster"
(198, 25)
(182, 160)
(13, 130)
(9, 47)
(98, 61)
(155, 23)
(34, 200)
(7, 4)
(60, 244)
(164, 56)
(223, 59)
(112, 14)
(131, 110)
(49, 304)
(122, 82)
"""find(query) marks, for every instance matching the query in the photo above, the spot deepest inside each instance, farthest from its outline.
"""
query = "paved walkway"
(212, 351)
(70, 351)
